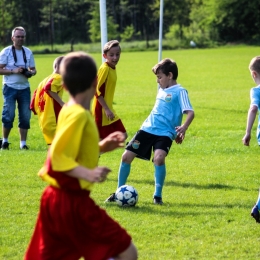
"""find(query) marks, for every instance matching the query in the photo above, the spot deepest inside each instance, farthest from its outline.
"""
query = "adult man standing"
(16, 65)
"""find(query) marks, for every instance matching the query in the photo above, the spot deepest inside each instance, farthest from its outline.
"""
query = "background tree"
(68, 21)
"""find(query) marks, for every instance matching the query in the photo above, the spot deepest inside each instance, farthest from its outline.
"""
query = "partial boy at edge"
(254, 68)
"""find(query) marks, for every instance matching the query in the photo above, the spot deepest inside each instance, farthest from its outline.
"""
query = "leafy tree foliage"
(63, 21)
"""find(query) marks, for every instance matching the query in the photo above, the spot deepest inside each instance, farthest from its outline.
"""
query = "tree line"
(70, 21)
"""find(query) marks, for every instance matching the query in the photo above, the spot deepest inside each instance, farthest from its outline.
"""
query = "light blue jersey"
(255, 100)
(171, 103)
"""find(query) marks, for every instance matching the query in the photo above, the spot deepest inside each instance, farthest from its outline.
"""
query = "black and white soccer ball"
(126, 196)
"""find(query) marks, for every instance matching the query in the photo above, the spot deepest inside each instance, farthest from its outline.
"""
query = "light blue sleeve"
(184, 101)
(255, 96)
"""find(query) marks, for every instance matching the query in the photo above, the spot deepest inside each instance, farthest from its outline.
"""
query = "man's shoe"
(255, 214)
(25, 147)
(111, 198)
(157, 200)
(5, 146)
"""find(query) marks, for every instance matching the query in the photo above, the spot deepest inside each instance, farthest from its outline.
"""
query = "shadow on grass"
(210, 186)
(175, 209)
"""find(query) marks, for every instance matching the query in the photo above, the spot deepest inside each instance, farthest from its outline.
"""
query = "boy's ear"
(104, 56)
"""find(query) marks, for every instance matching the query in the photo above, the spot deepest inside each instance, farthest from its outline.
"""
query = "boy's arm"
(97, 174)
(56, 97)
(250, 121)
(112, 141)
(183, 128)
(108, 112)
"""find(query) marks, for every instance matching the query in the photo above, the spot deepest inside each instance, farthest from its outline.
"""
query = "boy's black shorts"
(142, 144)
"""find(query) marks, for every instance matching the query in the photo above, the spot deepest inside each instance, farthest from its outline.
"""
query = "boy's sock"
(123, 173)
(258, 201)
(22, 144)
(159, 177)
(5, 140)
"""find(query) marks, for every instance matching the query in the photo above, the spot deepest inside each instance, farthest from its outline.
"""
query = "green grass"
(212, 179)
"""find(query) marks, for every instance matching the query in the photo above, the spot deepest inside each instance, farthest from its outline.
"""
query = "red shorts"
(104, 131)
(70, 226)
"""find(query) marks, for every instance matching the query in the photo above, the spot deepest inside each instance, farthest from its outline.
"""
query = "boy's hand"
(99, 174)
(111, 142)
(179, 139)
(246, 139)
(109, 114)
(180, 134)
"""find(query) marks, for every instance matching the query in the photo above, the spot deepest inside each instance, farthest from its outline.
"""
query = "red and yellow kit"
(46, 107)
(70, 225)
(107, 78)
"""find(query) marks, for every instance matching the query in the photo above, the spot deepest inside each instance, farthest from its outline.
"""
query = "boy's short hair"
(255, 64)
(78, 71)
(19, 28)
(110, 44)
(57, 62)
(166, 66)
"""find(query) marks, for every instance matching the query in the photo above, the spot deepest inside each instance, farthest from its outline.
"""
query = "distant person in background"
(254, 68)
(47, 101)
(17, 65)
(102, 108)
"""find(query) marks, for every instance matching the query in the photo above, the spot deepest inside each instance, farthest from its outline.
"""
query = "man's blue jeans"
(23, 98)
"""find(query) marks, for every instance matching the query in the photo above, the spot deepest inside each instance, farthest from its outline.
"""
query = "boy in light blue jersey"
(161, 127)
(254, 68)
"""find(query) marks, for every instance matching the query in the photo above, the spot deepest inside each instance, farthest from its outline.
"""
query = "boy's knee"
(127, 157)
(159, 159)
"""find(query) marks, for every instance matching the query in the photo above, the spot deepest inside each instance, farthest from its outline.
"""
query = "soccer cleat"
(111, 198)
(5, 146)
(25, 147)
(255, 214)
(157, 200)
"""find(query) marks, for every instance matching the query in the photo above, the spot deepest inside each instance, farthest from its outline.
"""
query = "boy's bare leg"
(129, 254)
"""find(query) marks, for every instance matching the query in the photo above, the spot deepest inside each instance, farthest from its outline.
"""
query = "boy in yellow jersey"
(47, 101)
(70, 225)
(102, 108)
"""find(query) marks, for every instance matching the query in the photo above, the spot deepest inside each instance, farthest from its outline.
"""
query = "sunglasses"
(19, 37)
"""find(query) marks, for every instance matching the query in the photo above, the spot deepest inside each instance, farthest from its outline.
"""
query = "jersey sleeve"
(184, 101)
(31, 61)
(102, 77)
(3, 58)
(54, 84)
(63, 155)
(255, 97)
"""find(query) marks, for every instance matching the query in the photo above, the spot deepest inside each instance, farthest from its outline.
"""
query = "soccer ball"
(126, 196)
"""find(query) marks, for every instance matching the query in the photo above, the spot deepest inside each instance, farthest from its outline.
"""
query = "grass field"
(212, 179)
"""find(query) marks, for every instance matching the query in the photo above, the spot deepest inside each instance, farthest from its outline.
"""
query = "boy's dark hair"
(255, 64)
(109, 45)
(166, 66)
(78, 71)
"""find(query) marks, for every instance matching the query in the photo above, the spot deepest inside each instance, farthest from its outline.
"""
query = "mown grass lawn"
(212, 179)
